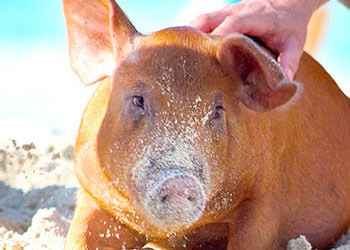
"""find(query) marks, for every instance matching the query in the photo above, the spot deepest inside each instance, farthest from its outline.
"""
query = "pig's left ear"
(264, 84)
(98, 33)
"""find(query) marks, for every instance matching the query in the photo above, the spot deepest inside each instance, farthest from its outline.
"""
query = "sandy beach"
(37, 195)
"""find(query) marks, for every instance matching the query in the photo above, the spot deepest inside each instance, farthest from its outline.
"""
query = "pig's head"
(164, 143)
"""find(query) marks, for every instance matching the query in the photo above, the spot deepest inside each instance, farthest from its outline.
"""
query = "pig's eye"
(138, 101)
(218, 112)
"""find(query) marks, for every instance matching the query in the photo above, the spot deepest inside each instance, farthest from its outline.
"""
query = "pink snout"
(178, 198)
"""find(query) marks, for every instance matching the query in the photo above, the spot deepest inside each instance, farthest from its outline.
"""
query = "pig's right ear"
(98, 31)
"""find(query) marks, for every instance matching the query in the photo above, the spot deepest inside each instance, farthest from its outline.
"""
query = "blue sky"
(37, 85)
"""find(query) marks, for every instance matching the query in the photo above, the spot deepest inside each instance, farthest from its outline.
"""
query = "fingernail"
(289, 74)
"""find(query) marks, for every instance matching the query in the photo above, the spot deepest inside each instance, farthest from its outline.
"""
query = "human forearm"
(345, 2)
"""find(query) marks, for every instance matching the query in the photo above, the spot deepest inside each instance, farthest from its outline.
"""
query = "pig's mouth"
(175, 199)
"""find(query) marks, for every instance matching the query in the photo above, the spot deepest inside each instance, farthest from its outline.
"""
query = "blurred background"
(40, 97)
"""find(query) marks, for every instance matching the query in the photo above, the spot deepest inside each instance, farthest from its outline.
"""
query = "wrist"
(319, 3)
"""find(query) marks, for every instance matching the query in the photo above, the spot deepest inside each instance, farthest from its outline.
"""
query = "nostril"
(164, 199)
(191, 199)
(167, 198)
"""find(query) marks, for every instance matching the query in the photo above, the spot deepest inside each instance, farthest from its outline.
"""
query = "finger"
(228, 25)
(290, 57)
(245, 24)
(208, 22)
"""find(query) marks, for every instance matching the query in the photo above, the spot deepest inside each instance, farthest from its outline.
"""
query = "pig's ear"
(97, 32)
(264, 84)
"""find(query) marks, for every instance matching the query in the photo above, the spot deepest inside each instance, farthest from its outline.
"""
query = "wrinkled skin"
(199, 142)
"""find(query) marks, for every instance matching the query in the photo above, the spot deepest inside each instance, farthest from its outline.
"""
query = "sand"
(37, 197)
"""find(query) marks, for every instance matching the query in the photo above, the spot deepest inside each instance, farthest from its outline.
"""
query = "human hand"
(281, 25)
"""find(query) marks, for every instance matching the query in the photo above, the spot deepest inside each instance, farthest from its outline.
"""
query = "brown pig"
(200, 142)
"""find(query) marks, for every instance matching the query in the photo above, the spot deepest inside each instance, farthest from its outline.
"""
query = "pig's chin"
(174, 200)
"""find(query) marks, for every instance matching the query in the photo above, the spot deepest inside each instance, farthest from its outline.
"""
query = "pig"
(193, 141)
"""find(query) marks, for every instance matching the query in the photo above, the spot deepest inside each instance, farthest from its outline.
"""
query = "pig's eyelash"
(218, 112)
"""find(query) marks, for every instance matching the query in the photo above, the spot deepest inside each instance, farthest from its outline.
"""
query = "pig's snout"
(176, 199)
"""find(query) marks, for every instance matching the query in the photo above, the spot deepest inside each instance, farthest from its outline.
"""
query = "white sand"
(37, 197)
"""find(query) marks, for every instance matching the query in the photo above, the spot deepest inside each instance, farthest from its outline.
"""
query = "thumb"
(290, 57)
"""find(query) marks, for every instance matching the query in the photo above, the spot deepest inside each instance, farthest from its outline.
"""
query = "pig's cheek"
(214, 144)
(219, 129)
(215, 151)
(122, 156)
